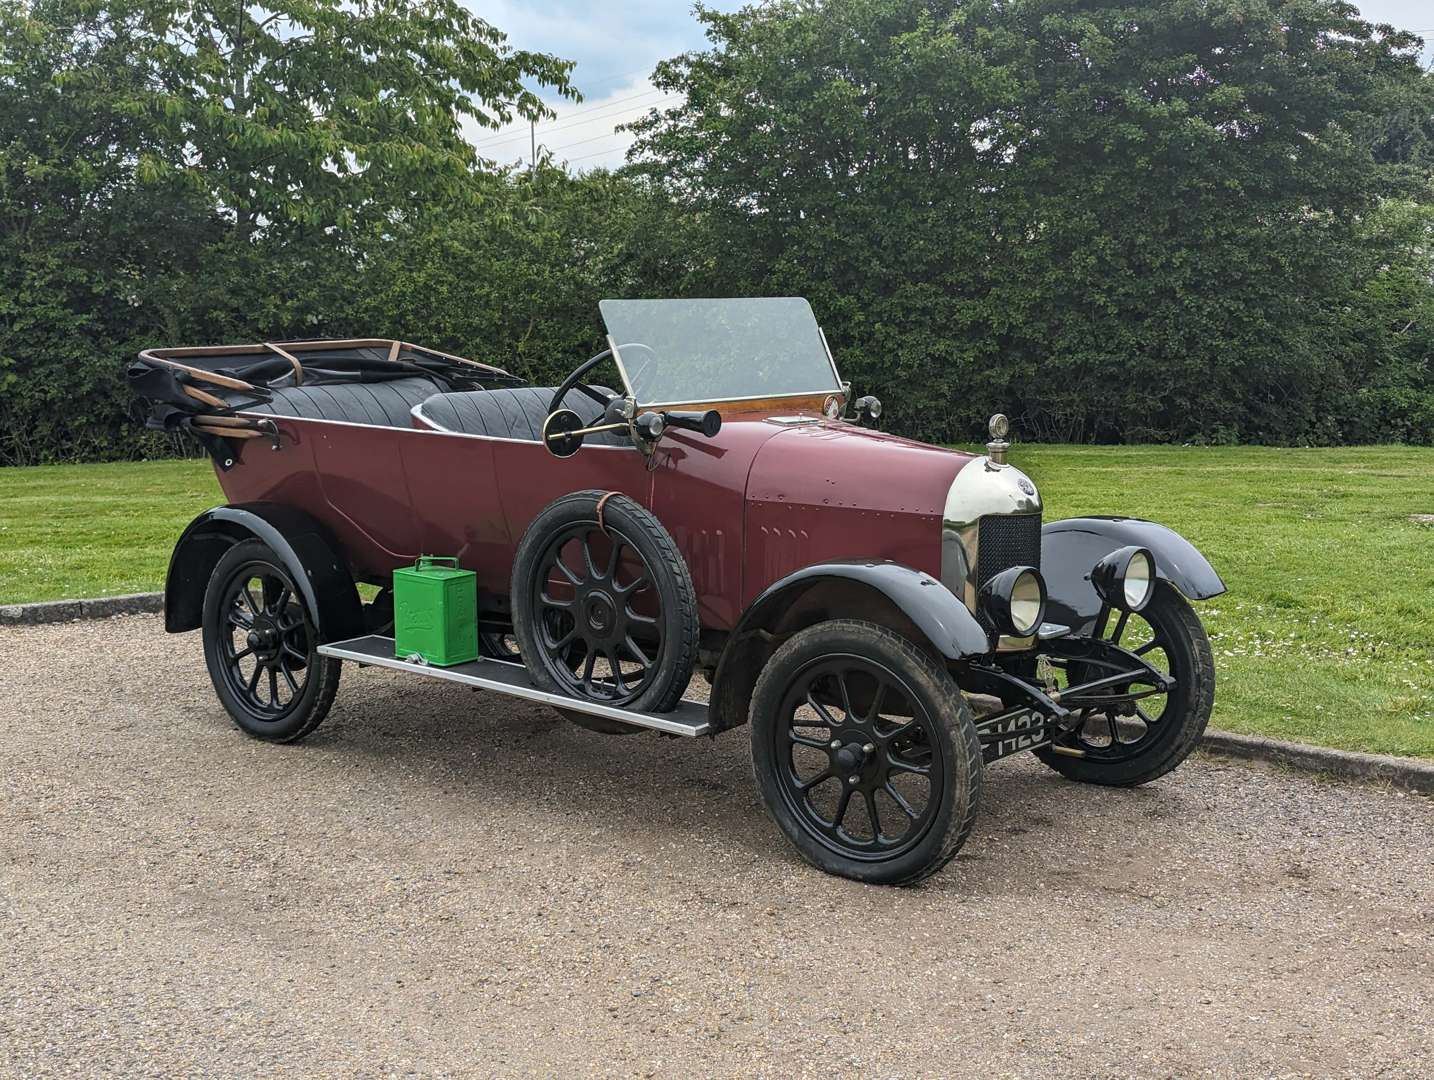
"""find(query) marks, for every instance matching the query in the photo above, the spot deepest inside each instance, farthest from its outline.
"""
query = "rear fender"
(909, 601)
(1071, 548)
(302, 545)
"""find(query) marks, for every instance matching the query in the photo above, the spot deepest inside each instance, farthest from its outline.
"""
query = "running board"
(689, 718)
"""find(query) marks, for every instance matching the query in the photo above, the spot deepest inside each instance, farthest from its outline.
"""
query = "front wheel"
(261, 647)
(1138, 742)
(865, 753)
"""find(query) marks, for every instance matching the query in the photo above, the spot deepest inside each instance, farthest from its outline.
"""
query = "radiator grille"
(1005, 541)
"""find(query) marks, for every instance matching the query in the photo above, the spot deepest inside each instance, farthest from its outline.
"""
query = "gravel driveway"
(442, 882)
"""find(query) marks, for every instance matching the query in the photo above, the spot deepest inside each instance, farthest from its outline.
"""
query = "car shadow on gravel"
(654, 791)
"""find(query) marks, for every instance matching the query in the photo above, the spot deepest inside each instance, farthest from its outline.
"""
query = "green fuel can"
(435, 611)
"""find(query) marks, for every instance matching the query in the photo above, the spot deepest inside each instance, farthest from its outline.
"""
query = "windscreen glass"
(677, 352)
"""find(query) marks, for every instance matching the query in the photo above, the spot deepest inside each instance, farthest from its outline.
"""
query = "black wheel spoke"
(241, 654)
(900, 800)
(637, 654)
(588, 556)
(904, 730)
(821, 710)
(872, 816)
(845, 693)
(843, 801)
(906, 766)
(553, 602)
(615, 667)
(1153, 643)
(805, 740)
(811, 782)
(878, 699)
(612, 559)
(562, 567)
(254, 679)
(638, 583)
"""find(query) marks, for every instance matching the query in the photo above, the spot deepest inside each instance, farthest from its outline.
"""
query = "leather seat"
(377, 404)
(516, 413)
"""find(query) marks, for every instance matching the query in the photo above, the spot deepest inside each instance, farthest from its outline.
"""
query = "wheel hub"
(855, 759)
(264, 638)
(600, 612)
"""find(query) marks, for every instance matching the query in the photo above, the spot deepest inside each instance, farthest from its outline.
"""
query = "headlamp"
(1125, 578)
(1015, 601)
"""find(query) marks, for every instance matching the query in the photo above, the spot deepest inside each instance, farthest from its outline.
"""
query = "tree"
(320, 111)
(176, 171)
(1119, 221)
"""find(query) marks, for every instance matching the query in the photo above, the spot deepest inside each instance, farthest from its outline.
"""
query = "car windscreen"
(676, 352)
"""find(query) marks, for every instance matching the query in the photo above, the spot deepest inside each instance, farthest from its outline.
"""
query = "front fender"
(942, 618)
(302, 545)
(1071, 548)
(888, 593)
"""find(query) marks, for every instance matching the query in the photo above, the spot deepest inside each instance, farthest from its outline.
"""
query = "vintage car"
(887, 617)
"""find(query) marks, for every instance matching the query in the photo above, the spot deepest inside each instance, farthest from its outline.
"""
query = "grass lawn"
(1326, 635)
(71, 531)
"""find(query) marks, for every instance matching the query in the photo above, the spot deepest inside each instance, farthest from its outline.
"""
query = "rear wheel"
(261, 647)
(865, 753)
(1146, 739)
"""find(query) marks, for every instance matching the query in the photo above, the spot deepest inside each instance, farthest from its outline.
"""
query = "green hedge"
(1175, 222)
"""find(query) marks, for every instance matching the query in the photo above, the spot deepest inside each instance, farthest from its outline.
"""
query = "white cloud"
(615, 47)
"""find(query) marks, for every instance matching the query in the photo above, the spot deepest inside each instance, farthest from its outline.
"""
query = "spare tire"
(603, 604)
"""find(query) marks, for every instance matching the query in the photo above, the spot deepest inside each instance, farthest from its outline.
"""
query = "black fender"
(304, 546)
(942, 618)
(1071, 548)
(914, 602)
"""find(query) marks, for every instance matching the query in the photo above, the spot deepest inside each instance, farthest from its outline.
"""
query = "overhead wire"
(563, 121)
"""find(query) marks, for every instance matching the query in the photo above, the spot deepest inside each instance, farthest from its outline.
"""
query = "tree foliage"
(1137, 221)
(180, 170)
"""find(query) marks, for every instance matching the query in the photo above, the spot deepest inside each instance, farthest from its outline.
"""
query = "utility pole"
(533, 143)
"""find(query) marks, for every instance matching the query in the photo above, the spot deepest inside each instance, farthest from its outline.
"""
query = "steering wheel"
(575, 382)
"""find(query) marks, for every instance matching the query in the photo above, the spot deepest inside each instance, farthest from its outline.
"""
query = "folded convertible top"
(201, 389)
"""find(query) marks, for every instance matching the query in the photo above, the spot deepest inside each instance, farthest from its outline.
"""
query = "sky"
(616, 44)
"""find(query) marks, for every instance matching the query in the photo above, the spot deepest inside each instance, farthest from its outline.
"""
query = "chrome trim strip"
(689, 718)
(412, 431)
